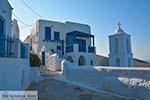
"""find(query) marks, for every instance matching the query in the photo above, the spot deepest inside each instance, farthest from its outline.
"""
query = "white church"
(72, 41)
(120, 49)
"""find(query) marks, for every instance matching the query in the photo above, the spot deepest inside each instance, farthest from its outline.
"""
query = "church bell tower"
(120, 51)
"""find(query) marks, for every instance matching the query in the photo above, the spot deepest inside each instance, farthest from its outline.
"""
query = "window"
(47, 33)
(82, 45)
(52, 50)
(127, 43)
(116, 45)
(56, 36)
(58, 47)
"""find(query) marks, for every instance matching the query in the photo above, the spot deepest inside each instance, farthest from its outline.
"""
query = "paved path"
(51, 89)
(47, 73)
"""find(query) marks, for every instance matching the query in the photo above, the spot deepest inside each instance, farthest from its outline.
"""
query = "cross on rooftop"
(119, 24)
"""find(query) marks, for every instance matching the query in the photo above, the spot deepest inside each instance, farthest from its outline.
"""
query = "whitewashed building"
(14, 55)
(120, 49)
(69, 40)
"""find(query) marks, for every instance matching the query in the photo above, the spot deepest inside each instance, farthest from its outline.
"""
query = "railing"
(91, 49)
(5, 46)
(69, 48)
(82, 48)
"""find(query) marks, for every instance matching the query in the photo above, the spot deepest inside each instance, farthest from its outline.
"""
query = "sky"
(101, 15)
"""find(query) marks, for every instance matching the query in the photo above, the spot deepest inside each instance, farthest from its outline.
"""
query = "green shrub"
(35, 60)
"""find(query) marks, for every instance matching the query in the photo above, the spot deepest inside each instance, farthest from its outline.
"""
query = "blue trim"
(63, 48)
(58, 47)
(69, 49)
(80, 34)
(91, 49)
(5, 46)
(56, 36)
(2, 39)
(43, 58)
(81, 45)
(23, 51)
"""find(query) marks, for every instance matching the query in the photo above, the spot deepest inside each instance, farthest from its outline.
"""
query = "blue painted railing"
(91, 49)
(69, 49)
(82, 48)
(5, 46)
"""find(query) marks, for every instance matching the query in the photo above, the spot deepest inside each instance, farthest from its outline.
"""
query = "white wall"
(35, 75)
(129, 82)
(11, 74)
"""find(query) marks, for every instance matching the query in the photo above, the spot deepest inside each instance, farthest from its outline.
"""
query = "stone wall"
(53, 62)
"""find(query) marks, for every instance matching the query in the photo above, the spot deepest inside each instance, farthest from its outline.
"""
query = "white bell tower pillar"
(120, 52)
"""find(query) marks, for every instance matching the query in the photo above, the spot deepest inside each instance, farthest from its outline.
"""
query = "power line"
(31, 8)
(20, 19)
(26, 26)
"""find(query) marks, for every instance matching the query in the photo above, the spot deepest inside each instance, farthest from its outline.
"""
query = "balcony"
(76, 47)
(91, 49)
(82, 48)
(69, 49)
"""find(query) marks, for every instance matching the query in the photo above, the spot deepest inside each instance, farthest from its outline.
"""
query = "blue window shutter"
(58, 47)
(56, 36)
(47, 33)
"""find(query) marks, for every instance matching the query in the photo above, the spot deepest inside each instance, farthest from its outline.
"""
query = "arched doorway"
(81, 61)
(69, 58)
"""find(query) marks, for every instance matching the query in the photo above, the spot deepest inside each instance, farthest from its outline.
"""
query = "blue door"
(43, 58)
